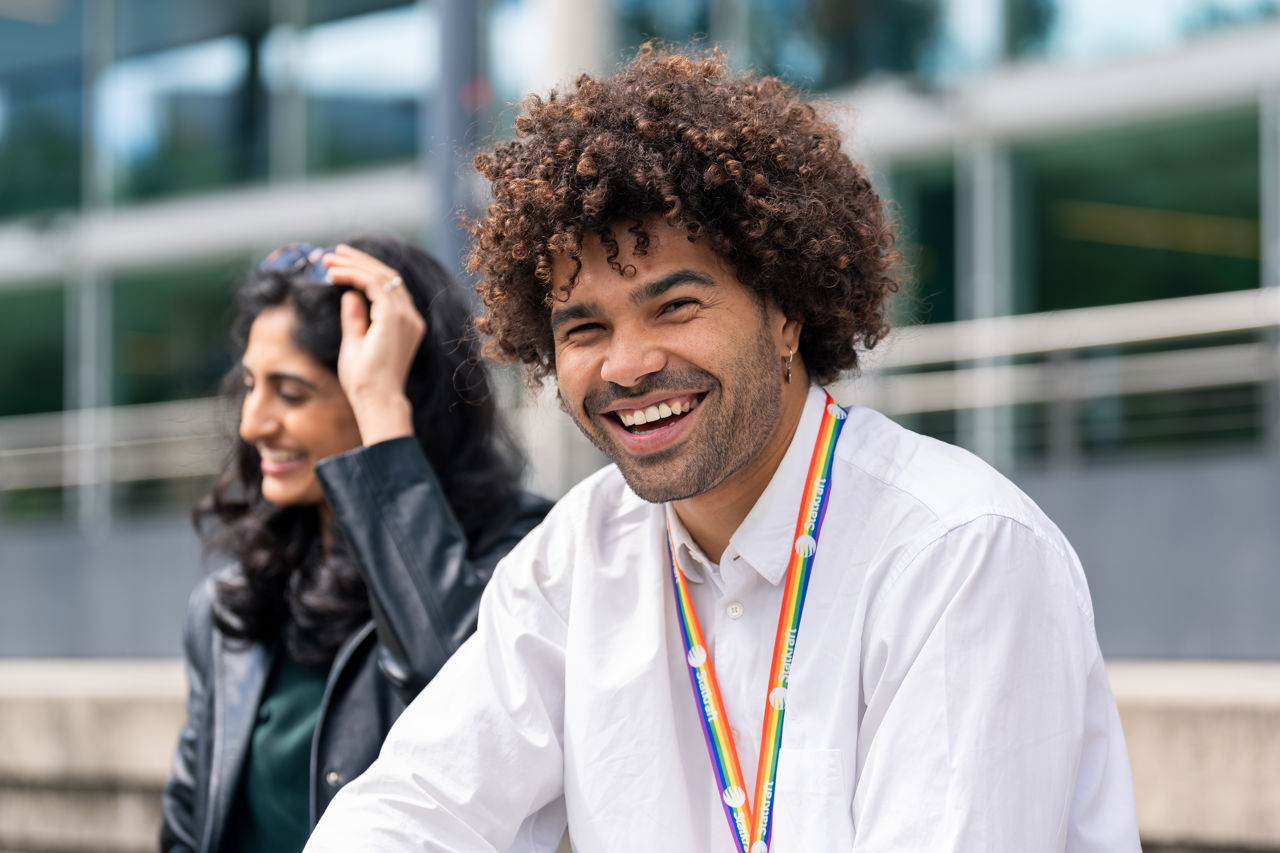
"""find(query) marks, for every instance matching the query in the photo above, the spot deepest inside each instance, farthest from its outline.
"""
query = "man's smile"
(656, 422)
(644, 418)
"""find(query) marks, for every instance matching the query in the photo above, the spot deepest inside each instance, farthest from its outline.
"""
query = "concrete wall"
(84, 751)
(85, 748)
(119, 592)
(1180, 553)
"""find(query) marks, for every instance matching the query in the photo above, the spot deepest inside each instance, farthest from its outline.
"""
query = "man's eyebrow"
(569, 313)
(659, 286)
(641, 295)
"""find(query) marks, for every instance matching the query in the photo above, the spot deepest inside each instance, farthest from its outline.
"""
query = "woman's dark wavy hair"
(743, 162)
(288, 587)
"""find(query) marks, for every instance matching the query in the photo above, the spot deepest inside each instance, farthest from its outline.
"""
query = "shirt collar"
(764, 537)
(694, 563)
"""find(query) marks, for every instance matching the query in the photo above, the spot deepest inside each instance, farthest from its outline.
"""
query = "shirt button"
(333, 778)
(735, 610)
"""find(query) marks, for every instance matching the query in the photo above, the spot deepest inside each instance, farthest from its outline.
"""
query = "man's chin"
(655, 492)
(650, 477)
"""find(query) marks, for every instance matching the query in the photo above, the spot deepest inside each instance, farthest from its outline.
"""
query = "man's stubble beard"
(723, 442)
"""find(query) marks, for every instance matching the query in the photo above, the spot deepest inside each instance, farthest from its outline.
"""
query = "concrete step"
(85, 748)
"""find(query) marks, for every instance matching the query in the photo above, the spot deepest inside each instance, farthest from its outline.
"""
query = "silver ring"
(393, 284)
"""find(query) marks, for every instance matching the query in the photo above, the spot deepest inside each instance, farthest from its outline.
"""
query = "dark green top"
(272, 809)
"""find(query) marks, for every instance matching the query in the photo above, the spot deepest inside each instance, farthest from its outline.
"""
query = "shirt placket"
(743, 634)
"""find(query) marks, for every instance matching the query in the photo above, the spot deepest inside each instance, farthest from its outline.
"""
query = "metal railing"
(936, 368)
(980, 356)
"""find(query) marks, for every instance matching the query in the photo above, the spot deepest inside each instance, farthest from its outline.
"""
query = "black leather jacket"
(424, 588)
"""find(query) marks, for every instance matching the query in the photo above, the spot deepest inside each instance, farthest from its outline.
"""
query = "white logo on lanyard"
(760, 847)
(697, 656)
(837, 412)
(778, 698)
(734, 797)
(806, 545)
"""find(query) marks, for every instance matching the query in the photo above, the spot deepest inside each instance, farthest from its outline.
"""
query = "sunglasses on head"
(298, 259)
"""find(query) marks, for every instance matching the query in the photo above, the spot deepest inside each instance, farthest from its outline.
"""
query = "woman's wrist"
(384, 418)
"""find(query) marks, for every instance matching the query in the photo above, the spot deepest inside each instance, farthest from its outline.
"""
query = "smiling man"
(773, 623)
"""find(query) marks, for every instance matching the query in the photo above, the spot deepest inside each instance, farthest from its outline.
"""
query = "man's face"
(674, 372)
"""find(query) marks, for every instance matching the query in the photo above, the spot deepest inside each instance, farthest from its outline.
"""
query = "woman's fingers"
(379, 339)
(354, 315)
(363, 271)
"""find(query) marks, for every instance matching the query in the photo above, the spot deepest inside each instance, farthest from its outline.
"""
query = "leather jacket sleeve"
(179, 799)
(424, 581)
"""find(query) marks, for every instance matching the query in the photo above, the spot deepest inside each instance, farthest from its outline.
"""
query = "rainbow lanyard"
(754, 837)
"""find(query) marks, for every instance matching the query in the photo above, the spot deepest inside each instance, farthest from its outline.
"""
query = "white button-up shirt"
(946, 691)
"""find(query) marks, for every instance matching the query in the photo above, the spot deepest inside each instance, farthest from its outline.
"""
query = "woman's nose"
(257, 420)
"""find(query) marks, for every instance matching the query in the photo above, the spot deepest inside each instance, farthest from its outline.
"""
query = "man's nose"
(632, 355)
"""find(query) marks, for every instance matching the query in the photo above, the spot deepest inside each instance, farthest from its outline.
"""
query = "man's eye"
(679, 305)
(582, 328)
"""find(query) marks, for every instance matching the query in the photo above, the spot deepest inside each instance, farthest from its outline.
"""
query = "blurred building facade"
(1089, 203)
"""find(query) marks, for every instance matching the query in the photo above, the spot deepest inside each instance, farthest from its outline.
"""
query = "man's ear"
(784, 330)
(790, 334)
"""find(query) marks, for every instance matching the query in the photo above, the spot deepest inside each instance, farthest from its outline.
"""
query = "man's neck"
(712, 517)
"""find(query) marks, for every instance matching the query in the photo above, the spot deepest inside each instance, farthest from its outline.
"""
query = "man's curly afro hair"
(741, 161)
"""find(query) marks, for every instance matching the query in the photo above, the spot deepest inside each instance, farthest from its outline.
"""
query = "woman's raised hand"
(378, 343)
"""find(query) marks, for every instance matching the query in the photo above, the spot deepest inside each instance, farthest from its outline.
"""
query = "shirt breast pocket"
(812, 807)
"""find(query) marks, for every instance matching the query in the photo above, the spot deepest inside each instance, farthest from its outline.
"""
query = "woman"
(369, 496)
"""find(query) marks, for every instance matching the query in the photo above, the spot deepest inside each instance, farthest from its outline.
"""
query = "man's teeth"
(656, 412)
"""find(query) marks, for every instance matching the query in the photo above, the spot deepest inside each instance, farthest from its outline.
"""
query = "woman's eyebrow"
(283, 376)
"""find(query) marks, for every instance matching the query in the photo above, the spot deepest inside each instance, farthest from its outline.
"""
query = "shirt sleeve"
(988, 722)
(475, 763)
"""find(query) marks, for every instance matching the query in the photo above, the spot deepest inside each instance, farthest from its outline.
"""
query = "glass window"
(819, 44)
(1140, 213)
(517, 50)
(41, 107)
(187, 118)
(170, 330)
(153, 26)
(1143, 213)
(32, 357)
(319, 11)
(923, 203)
(32, 365)
(152, 497)
(1100, 29)
(1216, 416)
(673, 21)
(826, 43)
(363, 78)
(823, 44)
(27, 506)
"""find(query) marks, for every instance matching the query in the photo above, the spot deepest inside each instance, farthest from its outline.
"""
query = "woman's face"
(294, 411)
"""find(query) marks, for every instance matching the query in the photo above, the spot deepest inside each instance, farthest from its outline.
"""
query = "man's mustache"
(598, 399)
